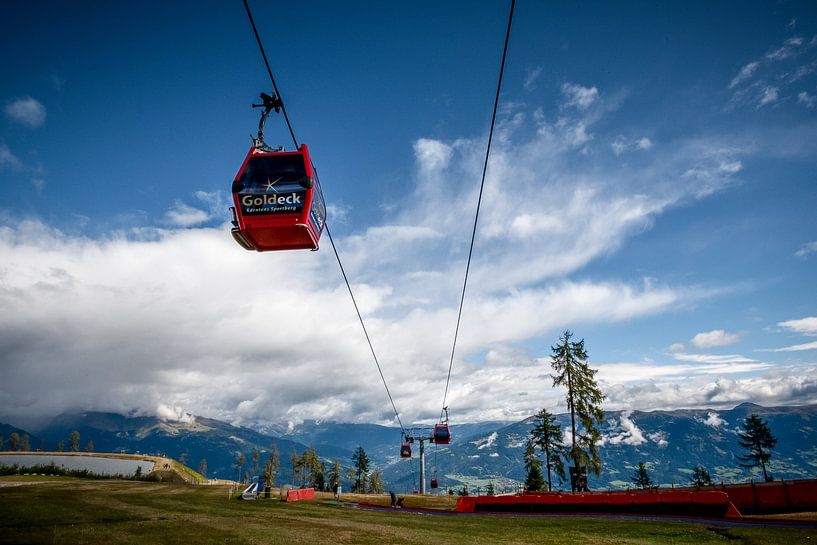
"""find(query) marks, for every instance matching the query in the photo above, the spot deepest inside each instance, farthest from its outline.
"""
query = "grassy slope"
(111, 512)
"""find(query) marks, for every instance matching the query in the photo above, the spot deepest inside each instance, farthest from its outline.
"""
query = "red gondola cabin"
(442, 435)
(405, 450)
(278, 202)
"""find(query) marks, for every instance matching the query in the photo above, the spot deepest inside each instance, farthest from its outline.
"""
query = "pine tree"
(203, 467)
(14, 440)
(569, 361)
(641, 477)
(534, 481)
(376, 482)
(319, 477)
(271, 465)
(25, 443)
(335, 475)
(295, 461)
(239, 464)
(489, 490)
(89, 447)
(61, 446)
(74, 441)
(361, 464)
(757, 439)
(547, 435)
(256, 461)
(312, 469)
(701, 477)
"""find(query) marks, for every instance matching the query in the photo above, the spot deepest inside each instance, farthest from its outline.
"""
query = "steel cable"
(479, 202)
(331, 240)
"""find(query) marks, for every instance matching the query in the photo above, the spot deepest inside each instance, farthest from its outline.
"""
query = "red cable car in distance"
(405, 450)
(278, 201)
(442, 435)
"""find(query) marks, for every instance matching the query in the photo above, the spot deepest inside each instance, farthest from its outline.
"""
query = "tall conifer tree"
(534, 481)
(757, 439)
(547, 435)
(569, 361)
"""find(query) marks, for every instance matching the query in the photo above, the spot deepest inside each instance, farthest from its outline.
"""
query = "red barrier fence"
(773, 497)
(709, 503)
(298, 494)
(731, 500)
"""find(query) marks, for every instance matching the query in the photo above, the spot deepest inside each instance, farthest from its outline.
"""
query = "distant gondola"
(442, 435)
(405, 450)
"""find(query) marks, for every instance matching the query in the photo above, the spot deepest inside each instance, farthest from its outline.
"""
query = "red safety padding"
(298, 494)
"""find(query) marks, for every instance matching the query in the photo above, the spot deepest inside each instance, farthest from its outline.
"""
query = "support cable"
(479, 202)
(363, 325)
(331, 240)
(269, 71)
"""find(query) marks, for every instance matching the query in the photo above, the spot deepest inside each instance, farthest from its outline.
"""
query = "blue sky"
(652, 187)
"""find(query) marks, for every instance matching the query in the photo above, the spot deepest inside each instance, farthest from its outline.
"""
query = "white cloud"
(779, 386)
(579, 96)
(7, 158)
(26, 111)
(186, 333)
(713, 420)
(804, 251)
(787, 50)
(174, 414)
(770, 94)
(714, 171)
(622, 144)
(628, 433)
(714, 359)
(659, 438)
(676, 347)
(185, 216)
(804, 98)
(531, 77)
(804, 326)
(769, 79)
(794, 348)
(731, 167)
(744, 74)
(717, 337)
(432, 154)
(488, 442)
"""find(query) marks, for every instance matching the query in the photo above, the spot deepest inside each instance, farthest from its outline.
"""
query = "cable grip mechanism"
(269, 103)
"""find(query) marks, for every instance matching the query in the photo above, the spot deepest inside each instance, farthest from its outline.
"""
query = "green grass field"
(64, 511)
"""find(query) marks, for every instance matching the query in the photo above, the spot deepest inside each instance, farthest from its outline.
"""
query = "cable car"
(442, 435)
(278, 201)
(434, 483)
(405, 450)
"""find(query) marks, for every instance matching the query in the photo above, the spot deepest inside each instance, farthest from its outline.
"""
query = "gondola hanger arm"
(269, 103)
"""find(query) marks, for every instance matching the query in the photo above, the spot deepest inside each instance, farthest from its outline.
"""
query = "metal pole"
(422, 466)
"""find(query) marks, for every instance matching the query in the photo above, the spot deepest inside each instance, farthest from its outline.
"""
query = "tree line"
(22, 443)
(583, 398)
(308, 470)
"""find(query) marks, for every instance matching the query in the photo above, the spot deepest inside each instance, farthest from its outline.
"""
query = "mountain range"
(670, 443)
